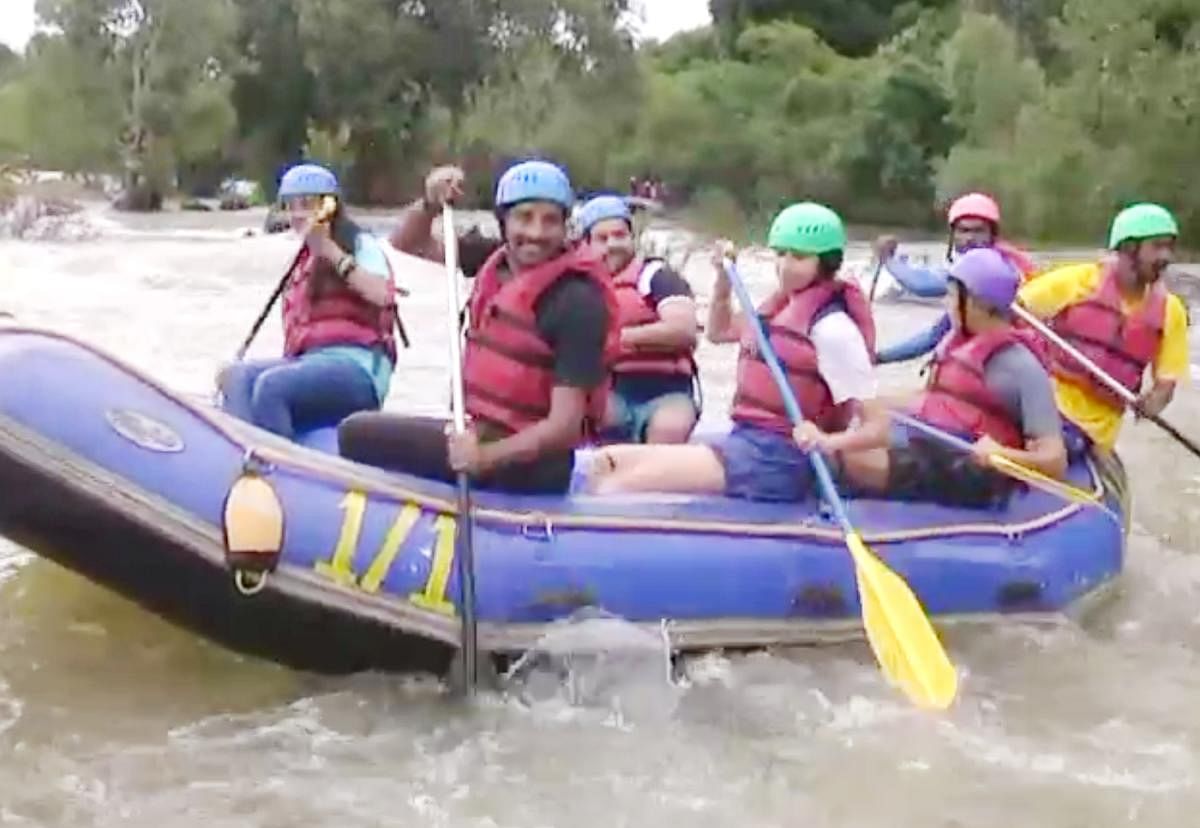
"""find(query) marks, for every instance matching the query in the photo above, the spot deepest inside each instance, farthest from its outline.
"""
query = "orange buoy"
(253, 528)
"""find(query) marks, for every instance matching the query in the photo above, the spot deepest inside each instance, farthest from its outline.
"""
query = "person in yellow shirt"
(1119, 313)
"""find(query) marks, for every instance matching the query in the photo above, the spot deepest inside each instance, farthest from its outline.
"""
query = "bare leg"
(691, 469)
(867, 470)
(672, 422)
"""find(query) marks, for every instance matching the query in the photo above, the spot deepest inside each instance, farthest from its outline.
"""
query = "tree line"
(1064, 109)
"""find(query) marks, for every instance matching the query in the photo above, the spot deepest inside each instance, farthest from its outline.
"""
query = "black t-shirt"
(664, 283)
(573, 319)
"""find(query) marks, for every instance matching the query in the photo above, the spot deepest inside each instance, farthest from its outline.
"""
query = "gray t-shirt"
(1017, 377)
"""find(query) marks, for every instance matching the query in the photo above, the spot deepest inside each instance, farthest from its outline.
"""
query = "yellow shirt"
(1050, 292)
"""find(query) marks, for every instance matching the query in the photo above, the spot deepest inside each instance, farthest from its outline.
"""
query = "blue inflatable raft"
(113, 476)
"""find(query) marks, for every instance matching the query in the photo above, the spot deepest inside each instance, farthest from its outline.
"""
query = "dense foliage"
(1065, 109)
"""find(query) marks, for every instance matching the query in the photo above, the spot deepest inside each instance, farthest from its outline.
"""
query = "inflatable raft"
(112, 475)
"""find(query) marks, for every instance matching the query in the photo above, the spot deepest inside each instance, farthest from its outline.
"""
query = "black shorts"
(417, 446)
(931, 472)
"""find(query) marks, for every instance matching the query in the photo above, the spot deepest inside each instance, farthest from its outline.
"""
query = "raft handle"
(249, 583)
(538, 528)
(253, 464)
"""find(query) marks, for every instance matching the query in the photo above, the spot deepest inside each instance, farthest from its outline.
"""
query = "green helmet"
(807, 228)
(1141, 221)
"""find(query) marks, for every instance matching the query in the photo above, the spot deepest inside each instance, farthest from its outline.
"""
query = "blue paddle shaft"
(820, 467)
(932, 431)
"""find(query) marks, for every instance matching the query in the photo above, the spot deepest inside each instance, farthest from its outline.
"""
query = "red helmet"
(974, 205)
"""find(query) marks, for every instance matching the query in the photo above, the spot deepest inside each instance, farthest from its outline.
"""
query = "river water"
(109, 716)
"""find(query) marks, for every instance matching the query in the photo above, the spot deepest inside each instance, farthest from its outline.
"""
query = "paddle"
(327, 209)
(464, 546)
(875, 280)
(1097, 372)
(900, 633)
(1012, 468)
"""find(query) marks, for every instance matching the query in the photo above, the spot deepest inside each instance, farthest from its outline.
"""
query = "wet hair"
(343, 230)
(828, 264)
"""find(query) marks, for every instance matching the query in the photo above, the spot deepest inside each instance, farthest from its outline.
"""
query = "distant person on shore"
(974, 222)
(338, 321)
(654, 372)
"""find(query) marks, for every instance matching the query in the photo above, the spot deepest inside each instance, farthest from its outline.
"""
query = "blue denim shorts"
(763, 465)
(629, 417)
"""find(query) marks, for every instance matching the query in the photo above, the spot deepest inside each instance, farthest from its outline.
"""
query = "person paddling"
(822, 331)
(989, 386)
(974, 221)
(542, 334)
(654, 374)
(338, 321)
(1118, 313)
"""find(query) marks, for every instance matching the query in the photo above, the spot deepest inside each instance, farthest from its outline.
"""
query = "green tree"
(14, 121)
(988, 80)
(890, 157)
(10, 62)
(852, 27)
(1117, 123)
(166, 62)
(273, 89)
(385, 72)
(73, 112)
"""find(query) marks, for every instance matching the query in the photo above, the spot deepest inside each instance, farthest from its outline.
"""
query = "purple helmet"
(987, 277)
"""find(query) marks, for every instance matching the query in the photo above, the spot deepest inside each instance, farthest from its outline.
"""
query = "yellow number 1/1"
(433, 597)
(339, 568)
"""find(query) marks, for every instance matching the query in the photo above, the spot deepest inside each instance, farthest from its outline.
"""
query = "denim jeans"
(287, 396)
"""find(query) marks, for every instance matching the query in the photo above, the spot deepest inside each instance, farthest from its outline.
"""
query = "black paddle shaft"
(262, 317)
(875, 280)
(466, 557)
(1174, 432)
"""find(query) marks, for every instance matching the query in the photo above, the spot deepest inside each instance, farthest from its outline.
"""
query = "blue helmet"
(308, 180)
(534, 181)
(601, 208)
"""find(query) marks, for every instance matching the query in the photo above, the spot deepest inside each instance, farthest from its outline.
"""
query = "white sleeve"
(843, 360)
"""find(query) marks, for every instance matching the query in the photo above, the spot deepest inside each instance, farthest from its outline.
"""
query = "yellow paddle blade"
(1041, 481)
(900, 633)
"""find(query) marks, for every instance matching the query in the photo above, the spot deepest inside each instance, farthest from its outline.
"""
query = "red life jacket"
(508, 371)
(634, 310)
(1017, 257)
(1121, 344)
(338, 316)
(958, 398)
(789, 321)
